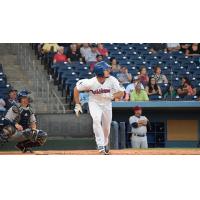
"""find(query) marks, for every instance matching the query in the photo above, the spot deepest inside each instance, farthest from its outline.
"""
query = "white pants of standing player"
(102, 118)
(139, 142)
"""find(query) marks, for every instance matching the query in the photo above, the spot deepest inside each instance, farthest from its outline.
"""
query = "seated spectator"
(160, 78)
(138, 94)
(84, 98)
(184, 47)
(193, 50)
(47, 47)
(131, 87)
(114, 65)
(173, 47)
(103, 51)
(73, 54)
(2, 105)
(143, 76)
(186, 88)
(155, 47)
(59, 56)
(170, 93)
(85, 50)
(153, 88)
(91, 56)
(10, 100)
(123, 76)
(99, 58)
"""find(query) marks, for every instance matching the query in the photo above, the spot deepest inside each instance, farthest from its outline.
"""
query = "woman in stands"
(114, 65)
(153, 88)
(186, 88)
(143, 76)
(193, 50)
(160, 78)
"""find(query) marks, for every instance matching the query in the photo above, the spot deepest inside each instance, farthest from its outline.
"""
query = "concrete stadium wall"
(66, 125)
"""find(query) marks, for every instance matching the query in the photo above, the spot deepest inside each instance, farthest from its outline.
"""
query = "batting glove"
(78, 109)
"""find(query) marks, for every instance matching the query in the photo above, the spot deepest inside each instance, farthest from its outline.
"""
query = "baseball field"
(157, 151)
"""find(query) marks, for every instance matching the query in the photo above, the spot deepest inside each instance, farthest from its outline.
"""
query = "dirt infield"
(112, 152)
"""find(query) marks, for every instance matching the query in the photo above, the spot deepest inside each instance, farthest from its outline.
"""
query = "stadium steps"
(20, 78)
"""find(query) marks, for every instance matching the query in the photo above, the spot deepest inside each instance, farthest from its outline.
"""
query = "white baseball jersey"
(100, 93)
(140, 130)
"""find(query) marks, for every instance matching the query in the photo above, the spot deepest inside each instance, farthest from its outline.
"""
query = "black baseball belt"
(139, 135)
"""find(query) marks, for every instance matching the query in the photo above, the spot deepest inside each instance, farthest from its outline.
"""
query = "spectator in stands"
(184, 47)
(193, 50)
(131, 87)
(138, 94)
(153, 88)
(74, 54)
(160, 78)
(99, 58)
(143, 76)
(85, 50)
(173, 47)
(102, 50)
(84, 98)
(47, 47)
(10, 100)
(59, 56)
(124, 76)
(2, 105)
(155, 47)
(186, 88)
(92, 55)
(170, 93)
(114, 65)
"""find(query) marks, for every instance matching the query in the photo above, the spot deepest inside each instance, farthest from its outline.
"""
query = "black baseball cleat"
(102, 150)
(106, 150)
(23, 149)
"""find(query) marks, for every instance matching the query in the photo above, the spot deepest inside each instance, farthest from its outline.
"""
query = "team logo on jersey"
(100, 91)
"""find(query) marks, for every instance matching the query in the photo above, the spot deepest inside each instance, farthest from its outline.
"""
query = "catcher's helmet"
(23, 93)
(100, 67)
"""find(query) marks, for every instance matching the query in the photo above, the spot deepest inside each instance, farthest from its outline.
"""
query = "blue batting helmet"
(100, 67)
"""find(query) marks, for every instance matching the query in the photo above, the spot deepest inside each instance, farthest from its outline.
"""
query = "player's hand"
(78, 109)
(18, 127)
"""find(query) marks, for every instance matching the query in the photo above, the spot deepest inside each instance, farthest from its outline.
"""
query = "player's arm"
(118, 95)
(11, 118)
(33, 124)
(82, 85)
(119, 91)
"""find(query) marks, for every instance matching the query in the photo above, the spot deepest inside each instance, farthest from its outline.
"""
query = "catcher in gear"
(19, 125)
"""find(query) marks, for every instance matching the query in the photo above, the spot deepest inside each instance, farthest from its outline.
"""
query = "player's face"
(138, 112)
(106, 73)
(24, 101)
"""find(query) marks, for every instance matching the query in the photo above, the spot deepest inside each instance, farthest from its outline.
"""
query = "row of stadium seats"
(173, 64)
(4, 86)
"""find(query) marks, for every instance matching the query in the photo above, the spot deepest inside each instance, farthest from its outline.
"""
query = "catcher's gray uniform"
(27, 137)
(139, 137)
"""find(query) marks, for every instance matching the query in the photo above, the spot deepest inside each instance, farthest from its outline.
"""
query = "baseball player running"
(20, 125)
(139, 126)
(102, 88)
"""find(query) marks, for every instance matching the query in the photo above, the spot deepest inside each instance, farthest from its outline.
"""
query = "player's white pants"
(139, 142)
(102, 118)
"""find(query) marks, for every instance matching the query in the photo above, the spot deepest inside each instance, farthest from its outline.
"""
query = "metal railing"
(44, 96)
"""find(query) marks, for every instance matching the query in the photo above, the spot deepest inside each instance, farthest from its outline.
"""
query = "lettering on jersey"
(100, 91)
